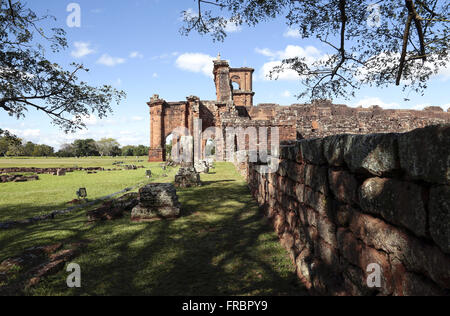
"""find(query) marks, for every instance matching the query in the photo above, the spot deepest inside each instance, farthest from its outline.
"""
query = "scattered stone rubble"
(114, 209)
(156, 201)
(53, 171)
(201, 166)
(6, 172)
(17, 178)
(29, 268)
(187, 177)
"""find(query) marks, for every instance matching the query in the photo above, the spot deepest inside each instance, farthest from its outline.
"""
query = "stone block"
(303, 267)
(327, 231)
(321, 203)
(148, 213)
(398, 202)
(334, 148)
(439, 216)
(296, 172)
(316, 178)
(311, 151)
(376, 154)
(61, 172)
(425, 154)
(300, 192)
(156, 201)
(362, 256)
(344, 186)
(187, 177)
(416, 255)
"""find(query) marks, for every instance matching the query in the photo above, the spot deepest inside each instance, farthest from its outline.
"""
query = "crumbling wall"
(344, 202)
(322, 118)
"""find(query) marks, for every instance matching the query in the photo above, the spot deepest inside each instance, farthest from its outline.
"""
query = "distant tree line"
(12, 146)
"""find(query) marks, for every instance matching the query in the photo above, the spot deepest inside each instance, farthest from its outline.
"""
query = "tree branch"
(3, 106)
(11, 11)
(417, 21)
(344, 18)
(404, 48)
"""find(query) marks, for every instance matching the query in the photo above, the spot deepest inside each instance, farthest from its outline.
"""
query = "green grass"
(53, 162)
(53, 193)
(220, 246)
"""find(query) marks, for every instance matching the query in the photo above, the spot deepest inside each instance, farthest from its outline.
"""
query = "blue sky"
(136, 46)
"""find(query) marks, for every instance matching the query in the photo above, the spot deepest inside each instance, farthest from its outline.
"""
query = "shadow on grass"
(223, 248)
(221, 245)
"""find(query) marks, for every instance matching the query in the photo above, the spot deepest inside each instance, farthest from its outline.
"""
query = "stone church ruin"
(234, 108)
(354, 188)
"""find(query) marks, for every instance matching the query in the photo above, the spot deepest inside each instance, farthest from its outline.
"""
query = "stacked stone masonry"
(341, 203)
(234, 108)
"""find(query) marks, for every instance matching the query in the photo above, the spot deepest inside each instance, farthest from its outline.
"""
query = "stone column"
(222, 80)
(194, 128)
(156, 152)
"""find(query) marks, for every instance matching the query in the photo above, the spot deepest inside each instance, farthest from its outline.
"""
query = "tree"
(390, 42)
(127, 151)
(140, 150)
(29, 81)
(28, 149)
(9, 144)
(106, 145)
(116, 151)
(43, 151)
(67, 150)
(85, 148)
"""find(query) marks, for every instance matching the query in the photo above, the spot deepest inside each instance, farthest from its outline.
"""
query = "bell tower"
(224, 77)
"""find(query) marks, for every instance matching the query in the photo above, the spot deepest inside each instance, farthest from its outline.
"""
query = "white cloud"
(370, 101)
(232, 27)
(136, 54)
(25, 133)
(310, 53)
(137, 118)
(109, 61)
(444, 73)
(286, 94)
(165, 56)
(421, 106)
(82, 49)
(155, 75)
(291, 51)
(265, 51)
(196, 62)
(425, 105)
(90, 120)
(287, 74)
(292, 33)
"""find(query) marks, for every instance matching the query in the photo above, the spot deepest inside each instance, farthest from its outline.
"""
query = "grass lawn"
(52, 192)
(54, 162)
(220, 246)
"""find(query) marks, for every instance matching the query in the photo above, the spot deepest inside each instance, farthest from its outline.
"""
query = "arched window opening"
(210, 148)
(168, 146)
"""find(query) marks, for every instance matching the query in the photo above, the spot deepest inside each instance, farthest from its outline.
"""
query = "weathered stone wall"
(322, 118)
(344, 202)
(234, 108)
